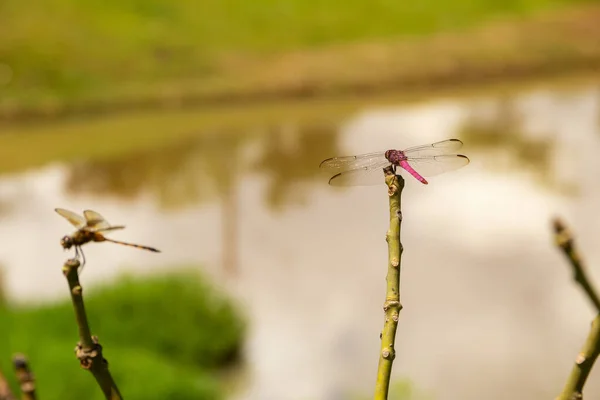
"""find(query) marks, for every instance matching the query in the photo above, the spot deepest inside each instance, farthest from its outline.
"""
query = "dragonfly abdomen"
(404, 164)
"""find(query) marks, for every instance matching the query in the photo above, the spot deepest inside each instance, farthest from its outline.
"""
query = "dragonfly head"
(66, 242)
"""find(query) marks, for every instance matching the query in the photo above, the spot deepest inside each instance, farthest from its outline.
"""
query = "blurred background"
(200, 126)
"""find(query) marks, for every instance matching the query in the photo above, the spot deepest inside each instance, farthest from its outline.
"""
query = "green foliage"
(62, 48)
(139, 374)
(162, 335)
(191, 322)
(402, 389)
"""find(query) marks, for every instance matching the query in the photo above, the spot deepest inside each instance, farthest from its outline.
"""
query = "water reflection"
(497, 130)
(481, 280)
(208, 168)
(193, 171)
(290, 157)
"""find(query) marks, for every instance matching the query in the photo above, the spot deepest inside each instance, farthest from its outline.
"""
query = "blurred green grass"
(59, 49)
(402, 389)
(165, 337)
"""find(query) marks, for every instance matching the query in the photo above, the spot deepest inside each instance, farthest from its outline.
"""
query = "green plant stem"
(88, 350)
(25, 377)
(392, 305)
(573, 389)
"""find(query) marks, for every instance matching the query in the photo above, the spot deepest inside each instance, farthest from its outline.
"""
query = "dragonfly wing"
(353, 162)
(95, 221)
(109, 228)
(434, 149)
(366, 176)
(431, 166)
(76, 220)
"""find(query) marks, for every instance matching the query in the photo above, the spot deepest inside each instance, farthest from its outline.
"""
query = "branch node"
(388, 354)
(69, 265)
(389, 304)
(87, 357)
(77, 290)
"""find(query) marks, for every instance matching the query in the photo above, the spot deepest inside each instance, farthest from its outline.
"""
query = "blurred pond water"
(490, 310)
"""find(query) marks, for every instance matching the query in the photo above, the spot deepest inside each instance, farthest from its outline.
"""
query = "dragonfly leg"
(78, 252)
(83, 258)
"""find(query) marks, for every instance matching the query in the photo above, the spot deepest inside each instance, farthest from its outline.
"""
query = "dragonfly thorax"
(395, 156)
(79, 238)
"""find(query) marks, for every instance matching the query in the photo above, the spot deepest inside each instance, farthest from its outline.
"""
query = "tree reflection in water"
(498, 135)
(291, 157)
(207, 168)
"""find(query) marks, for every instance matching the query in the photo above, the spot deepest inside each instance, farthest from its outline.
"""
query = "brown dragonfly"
(90, 228)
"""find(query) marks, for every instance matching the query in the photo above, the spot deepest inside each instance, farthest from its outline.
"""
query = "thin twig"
(564, 240)
(573, 389)
(392, 305)
(88, 350)
(5, 392)
(25, 377)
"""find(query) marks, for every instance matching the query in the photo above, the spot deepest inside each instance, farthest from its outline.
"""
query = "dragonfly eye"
(66, 242)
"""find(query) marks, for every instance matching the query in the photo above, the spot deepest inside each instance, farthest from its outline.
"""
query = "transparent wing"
(434, 149)
(435, 165)
(366, 176)
(76, 220)
(109, 228)
(95, 221)
(353, 162)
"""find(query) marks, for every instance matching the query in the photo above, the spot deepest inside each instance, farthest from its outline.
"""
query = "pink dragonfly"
(419, 161)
